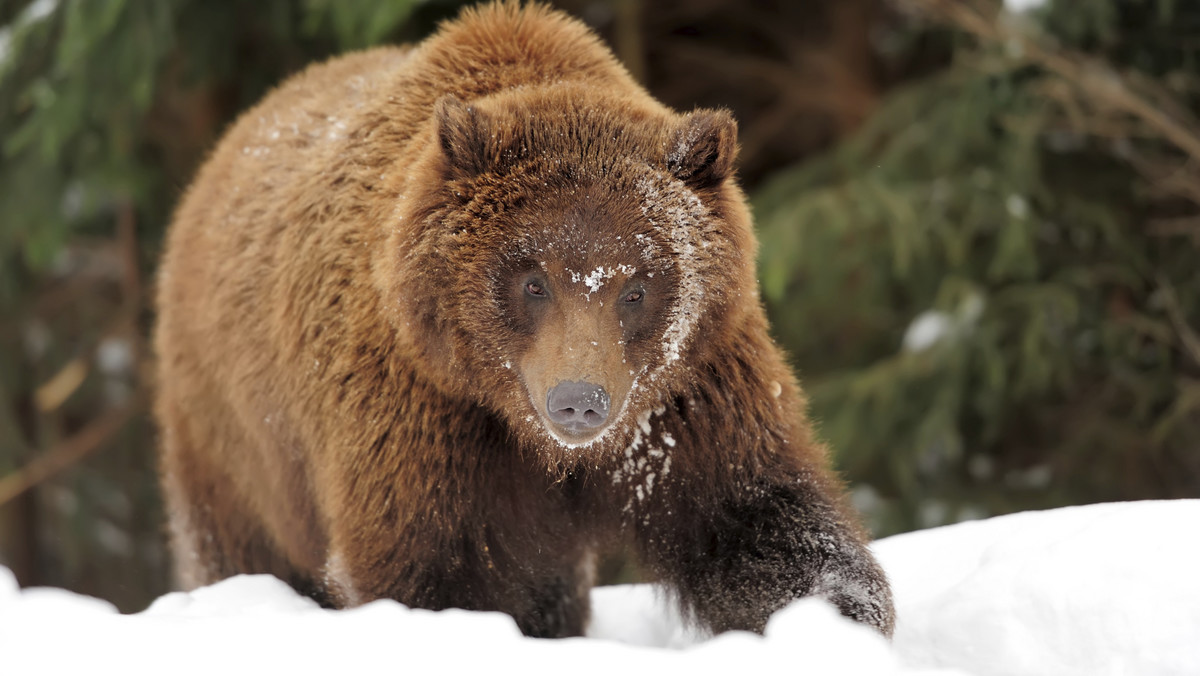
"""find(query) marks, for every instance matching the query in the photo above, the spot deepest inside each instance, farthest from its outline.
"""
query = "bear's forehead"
(585, 233)
(576, 251)
(593, 226)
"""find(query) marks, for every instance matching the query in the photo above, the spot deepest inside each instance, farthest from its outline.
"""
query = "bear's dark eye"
(535, 289)
(633, 297)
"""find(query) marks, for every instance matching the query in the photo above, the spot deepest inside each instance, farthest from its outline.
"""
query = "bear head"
(569, 260)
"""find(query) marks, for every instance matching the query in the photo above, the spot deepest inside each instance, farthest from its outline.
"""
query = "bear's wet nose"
(577, 405)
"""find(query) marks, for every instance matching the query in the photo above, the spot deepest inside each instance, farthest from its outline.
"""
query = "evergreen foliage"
(972, 287)
(78, 127)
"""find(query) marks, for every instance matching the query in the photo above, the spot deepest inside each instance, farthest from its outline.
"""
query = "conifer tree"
(992, 290)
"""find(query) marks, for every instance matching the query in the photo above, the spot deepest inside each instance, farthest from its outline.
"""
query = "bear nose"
(577, 405)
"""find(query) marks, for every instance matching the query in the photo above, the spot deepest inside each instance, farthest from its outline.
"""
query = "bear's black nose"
(577, 405)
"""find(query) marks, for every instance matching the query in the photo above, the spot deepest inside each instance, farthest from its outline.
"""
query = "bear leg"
(736, 564)
(546, 594)
(208, 546)
(560, 606)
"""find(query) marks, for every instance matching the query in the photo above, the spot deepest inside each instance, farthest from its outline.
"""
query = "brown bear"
(439, 324)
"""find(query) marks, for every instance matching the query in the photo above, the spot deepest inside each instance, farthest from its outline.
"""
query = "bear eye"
(535, 289)
(633, 297)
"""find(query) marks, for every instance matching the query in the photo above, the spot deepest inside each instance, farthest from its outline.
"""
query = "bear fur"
(382, 272)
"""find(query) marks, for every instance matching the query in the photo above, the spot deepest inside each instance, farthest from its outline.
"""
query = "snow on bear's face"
(583, 257)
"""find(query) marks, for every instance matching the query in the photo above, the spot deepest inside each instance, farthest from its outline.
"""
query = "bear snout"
(578, 406)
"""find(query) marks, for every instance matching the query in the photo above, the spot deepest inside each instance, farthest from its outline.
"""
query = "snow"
(926, 330)
(934, 326)
(40, 10)
(678, 213)
(595, 279)
(1024, 5)
(1104, 589)
(114, 356)
(5, 45)
(33, 13)
(641, 469)
(1018, 207)
(1018, 6)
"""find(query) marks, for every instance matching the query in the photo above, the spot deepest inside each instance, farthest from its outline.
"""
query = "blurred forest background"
(980, 227)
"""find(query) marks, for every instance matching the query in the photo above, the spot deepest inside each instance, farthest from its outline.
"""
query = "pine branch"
(1136, 97)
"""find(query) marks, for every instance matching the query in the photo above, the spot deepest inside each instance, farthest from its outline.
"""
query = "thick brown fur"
(353, 366)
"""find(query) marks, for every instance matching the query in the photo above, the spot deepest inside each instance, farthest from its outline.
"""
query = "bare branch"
(67, 453)
(1187, 336)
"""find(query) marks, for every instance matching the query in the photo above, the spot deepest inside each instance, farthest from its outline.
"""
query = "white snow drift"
(1106, 589)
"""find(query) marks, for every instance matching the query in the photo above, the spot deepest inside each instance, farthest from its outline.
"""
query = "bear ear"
(462, 136)
(702, 151)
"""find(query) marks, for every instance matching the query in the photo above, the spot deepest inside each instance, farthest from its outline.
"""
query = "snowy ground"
(1105, 589)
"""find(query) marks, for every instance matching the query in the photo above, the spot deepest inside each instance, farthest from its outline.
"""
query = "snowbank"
(1103, 589)
(1085, 590)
